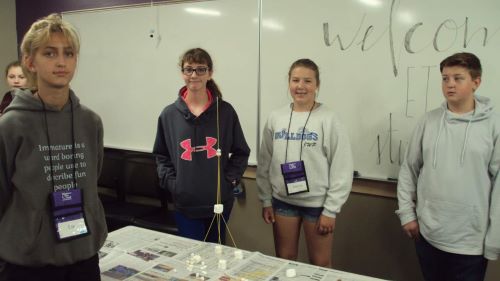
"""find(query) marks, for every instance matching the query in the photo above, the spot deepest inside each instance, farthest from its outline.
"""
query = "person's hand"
(268, 214)
(412, 230)
(325, 225)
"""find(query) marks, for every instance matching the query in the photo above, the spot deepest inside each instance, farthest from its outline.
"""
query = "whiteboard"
(128, 77)
(379, 81)
(385, 75)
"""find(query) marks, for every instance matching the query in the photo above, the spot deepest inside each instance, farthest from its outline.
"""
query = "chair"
(142, 187)
(133, 195)
(119, 208)
(111, 173)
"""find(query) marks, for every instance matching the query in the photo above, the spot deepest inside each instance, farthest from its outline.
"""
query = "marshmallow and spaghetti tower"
(219, 207)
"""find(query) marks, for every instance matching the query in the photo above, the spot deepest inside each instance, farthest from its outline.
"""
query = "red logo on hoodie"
(188, 149)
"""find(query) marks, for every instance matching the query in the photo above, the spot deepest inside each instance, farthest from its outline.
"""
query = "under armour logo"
(188, 149)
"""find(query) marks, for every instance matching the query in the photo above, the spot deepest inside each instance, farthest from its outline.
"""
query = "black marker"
(392, 179)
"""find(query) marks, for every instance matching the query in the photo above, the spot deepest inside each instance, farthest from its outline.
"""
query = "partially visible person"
(190, 132)
(52, 222)
(449, 184)
(15, 79)
(305, 168)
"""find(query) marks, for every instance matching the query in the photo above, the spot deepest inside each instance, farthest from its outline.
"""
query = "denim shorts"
(310, 214)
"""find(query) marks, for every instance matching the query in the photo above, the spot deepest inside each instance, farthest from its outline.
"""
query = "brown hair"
(466, 60)
(198, 55)
(11, 65)
(307, 63)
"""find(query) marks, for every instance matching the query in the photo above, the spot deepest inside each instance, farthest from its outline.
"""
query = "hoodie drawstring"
(464, 146)
(465, 143)
(434, 161)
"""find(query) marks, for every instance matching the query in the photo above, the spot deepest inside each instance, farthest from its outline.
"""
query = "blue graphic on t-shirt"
(308, 135)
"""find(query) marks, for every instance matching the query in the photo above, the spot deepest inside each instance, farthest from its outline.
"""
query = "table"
(137, 254)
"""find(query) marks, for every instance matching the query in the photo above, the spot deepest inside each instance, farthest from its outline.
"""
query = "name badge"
(294, 174)
(71, 226)
(68, 215)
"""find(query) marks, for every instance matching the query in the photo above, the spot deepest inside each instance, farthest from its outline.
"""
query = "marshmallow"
(218, 249)
(238, 254)
(290, 273)
(218, 208)
(222, 264)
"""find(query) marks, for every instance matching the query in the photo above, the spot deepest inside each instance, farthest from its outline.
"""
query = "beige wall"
(368, 239)
(8, 45)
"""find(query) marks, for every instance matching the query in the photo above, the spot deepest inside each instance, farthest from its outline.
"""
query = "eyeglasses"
(199, 70)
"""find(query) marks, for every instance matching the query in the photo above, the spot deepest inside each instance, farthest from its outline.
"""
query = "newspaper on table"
(307, 272)
(137, 254)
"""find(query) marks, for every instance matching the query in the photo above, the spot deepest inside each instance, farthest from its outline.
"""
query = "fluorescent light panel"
(201, 11)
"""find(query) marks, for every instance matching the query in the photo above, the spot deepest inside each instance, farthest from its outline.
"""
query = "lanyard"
(50, 148)
(303, 130)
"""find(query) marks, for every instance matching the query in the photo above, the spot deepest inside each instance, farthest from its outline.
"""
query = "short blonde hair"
(39, 34)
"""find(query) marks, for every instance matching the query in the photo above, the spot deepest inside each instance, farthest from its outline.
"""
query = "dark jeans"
(439, 265)
(198, 228)
(86, 270)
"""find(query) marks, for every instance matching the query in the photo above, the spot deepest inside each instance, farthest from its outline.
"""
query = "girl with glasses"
(200, 150)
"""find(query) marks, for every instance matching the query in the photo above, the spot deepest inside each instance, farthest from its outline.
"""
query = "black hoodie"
(185, 150)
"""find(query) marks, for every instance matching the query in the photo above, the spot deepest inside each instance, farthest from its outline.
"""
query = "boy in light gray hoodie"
(448, 189)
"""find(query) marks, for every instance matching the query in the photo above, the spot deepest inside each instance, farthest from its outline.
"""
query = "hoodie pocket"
(21, 232)
(451, 224)
(171, 187)
(96, 222)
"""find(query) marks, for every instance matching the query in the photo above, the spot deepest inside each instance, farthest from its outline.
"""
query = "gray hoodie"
(449, 180)
(27, 233)
(326, 153)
